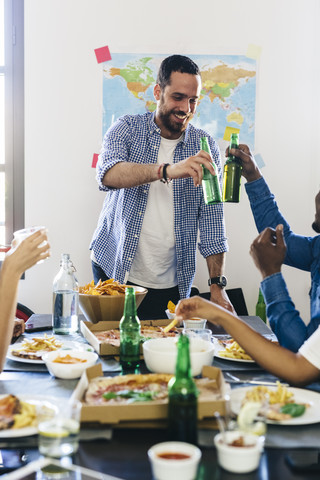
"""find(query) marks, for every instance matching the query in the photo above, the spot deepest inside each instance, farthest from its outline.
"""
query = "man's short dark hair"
(175, 63)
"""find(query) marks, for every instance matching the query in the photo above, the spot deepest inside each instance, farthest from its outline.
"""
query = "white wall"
(63, 122)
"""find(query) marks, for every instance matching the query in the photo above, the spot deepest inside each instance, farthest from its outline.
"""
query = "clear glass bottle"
(183, 398)
(232, 174)
(65, 298)
(261, 307)
(130, 336)
(210, 183)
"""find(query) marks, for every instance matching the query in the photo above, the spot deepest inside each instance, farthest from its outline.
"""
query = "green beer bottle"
(130, 333)
(183, 398)
(261, 307)
(232, 174)
(210, 183)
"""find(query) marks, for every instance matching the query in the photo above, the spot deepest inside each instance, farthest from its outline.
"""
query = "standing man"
(150, 167)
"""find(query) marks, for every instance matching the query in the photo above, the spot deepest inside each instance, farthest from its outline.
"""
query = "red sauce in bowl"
(173, 456)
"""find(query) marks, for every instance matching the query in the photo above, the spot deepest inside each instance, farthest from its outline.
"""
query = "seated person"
(16, 261)
(300, 368)
(302, 252)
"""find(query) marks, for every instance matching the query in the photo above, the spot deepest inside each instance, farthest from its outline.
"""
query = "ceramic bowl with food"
(170, 315)
(174, 460)
(98, 308)
(238, 452)
(69, 364)
(160, 354)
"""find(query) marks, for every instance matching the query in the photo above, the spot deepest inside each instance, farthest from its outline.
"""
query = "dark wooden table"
(125, 457)
(125, 454)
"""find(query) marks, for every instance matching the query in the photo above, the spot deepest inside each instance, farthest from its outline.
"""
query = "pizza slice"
(112, 337)
(127, 389)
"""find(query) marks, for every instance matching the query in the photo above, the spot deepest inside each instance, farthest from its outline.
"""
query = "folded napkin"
(110, 364)
(89, 434)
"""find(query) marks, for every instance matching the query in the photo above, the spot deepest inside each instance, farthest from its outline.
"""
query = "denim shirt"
(136, 138)
(303, 253)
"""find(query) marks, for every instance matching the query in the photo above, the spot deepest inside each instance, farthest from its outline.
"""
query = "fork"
(234, 379)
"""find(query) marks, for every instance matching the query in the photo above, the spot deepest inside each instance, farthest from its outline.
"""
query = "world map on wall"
(227, 97)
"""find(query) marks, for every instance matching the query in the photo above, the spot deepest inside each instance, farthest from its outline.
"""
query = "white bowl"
(69, 371)
(170, 315)
(239, 459)
(169, 469)
(160, 354)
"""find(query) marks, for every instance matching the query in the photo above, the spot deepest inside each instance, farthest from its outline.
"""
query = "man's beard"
(316, 227)
(169, 123)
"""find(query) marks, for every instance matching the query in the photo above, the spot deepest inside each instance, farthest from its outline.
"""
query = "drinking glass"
(195, 323)
(203, 333)
(58, 430)
(20, 235)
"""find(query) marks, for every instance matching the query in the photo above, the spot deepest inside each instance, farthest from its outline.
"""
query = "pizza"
(127, 389)
(112, 337)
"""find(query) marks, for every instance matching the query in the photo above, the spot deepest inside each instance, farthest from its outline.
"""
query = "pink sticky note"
(95, 160)
(102, 54)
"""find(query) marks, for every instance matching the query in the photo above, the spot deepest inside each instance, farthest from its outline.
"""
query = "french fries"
(170, 326)
(108, 287)
(276, 404)
(262, 393)
(234, 351)
(47, 343)
(27, 416)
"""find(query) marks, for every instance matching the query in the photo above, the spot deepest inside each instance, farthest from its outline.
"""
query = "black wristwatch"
(221, 281)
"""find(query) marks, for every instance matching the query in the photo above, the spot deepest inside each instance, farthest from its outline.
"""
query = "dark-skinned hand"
(268, 251)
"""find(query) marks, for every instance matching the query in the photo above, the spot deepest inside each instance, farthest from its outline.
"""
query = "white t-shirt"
(155, 262)
(310, 350)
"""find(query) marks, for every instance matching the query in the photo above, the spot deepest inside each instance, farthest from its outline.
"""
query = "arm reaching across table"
(293, 367)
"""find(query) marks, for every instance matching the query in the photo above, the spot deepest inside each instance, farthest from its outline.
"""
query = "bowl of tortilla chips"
(105, 300)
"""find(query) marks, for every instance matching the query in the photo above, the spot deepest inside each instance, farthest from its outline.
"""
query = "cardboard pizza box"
(87, 329)
(150, 414)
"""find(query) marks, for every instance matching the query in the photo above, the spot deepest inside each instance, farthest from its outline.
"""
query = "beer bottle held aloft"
(130, 333)
(210, 183)
(232, 174)
(261, 307)
(183, 398)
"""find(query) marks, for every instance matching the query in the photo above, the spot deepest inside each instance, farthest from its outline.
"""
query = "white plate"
(27, 431)
(311, 415)
(218, 355)
(67, 345)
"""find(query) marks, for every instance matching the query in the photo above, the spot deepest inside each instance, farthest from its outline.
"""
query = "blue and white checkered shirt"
(136, 138)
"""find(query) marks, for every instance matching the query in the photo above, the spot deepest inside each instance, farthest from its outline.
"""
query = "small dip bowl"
(174, 461)
(243, 458)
